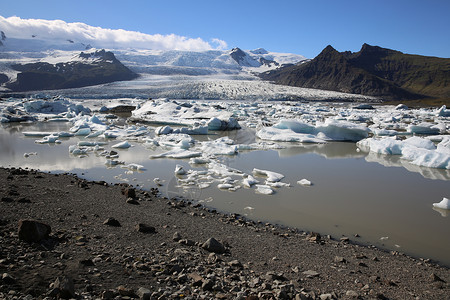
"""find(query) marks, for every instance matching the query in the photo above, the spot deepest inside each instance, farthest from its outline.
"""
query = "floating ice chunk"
(277, 184)
(122, 145)
(249, 181)
(158, 181)
(178, 154)
(305, 182)
(423, 128)
(225, 186)
(222, 170)
(179, 170)
(271, 176)
(427, 158)
(249, 208)
(83, 132)
(50, 139)
(444, 146)
(163, 130)
(90, 144)
(221, 124)
(383, 238)
(287, 135)
(196, 130)
(65, 134)
(217, 148)
(295, 126)
(264, 189)
(113, 162)
(443, 111)
(384, 132)
(401, 107)
(444, 204)
(382, 146)
(420, 143)
(37, 133)
(135, 167)
(199, 161)
(26, 155)
(343, 130)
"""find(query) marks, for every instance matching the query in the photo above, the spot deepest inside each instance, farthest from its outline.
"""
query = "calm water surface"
(383, 199)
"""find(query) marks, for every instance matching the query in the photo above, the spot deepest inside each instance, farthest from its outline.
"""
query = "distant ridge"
(373, 71)
(87, 69)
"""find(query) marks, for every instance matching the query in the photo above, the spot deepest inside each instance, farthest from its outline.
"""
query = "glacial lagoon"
(385, 200)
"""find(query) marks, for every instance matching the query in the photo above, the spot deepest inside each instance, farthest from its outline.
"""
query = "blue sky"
(302, 27)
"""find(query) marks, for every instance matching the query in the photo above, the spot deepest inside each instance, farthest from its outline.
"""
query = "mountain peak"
(259, 51)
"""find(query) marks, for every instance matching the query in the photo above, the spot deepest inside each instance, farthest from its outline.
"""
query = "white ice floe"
(264, 189)
(163, 111)
(249, 181)
(179, 170)
(305, 182)
(444, 204)
(443, 111)
(418, 151)
(26, 155)
(177, 153)
(158, 181)
(220, 146)
(49, 139)
(423, 128)
(135, 167)
(271, 176)
(330, 130)
(122, 145)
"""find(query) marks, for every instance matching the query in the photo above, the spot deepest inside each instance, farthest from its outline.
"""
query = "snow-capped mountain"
(157, 62)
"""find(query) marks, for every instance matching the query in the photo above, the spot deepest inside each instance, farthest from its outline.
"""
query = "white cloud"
(16, 27)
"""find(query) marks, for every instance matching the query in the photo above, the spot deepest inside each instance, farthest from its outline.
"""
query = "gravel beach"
(64, 237)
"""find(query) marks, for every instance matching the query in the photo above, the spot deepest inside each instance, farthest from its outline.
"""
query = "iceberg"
(444, 204)
(418, 151)
(177, 153)
(122, 145)
(305, 182)
(249, 181)
(271, 176)
(179, 170)
(264, 189)
(423, 128)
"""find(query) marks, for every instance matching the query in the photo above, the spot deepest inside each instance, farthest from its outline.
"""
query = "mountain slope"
(84, 70)
(373, 71)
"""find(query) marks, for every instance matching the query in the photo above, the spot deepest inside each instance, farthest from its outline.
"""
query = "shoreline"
(169, 261)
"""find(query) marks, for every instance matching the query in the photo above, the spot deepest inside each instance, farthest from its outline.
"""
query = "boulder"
(33, 231)
(212, 245)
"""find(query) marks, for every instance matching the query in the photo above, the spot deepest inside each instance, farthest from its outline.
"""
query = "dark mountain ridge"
(89, 69)
(373, 71)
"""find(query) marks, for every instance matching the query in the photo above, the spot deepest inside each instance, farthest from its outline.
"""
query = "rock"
(145, 228)
(132, 201)
(345, 239)
(207, 285)
(33, 231)
(112, 222)
(129, 192)
(339, 259)
(212, 245)
(436, 278)
(7, 199)
(8, 279)
(351, 293)
(326, 297)
(65, 287)
(143, 293)
(311, 274)
(176, 236)
(197, 280)
(235, 263)
(124, 291)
